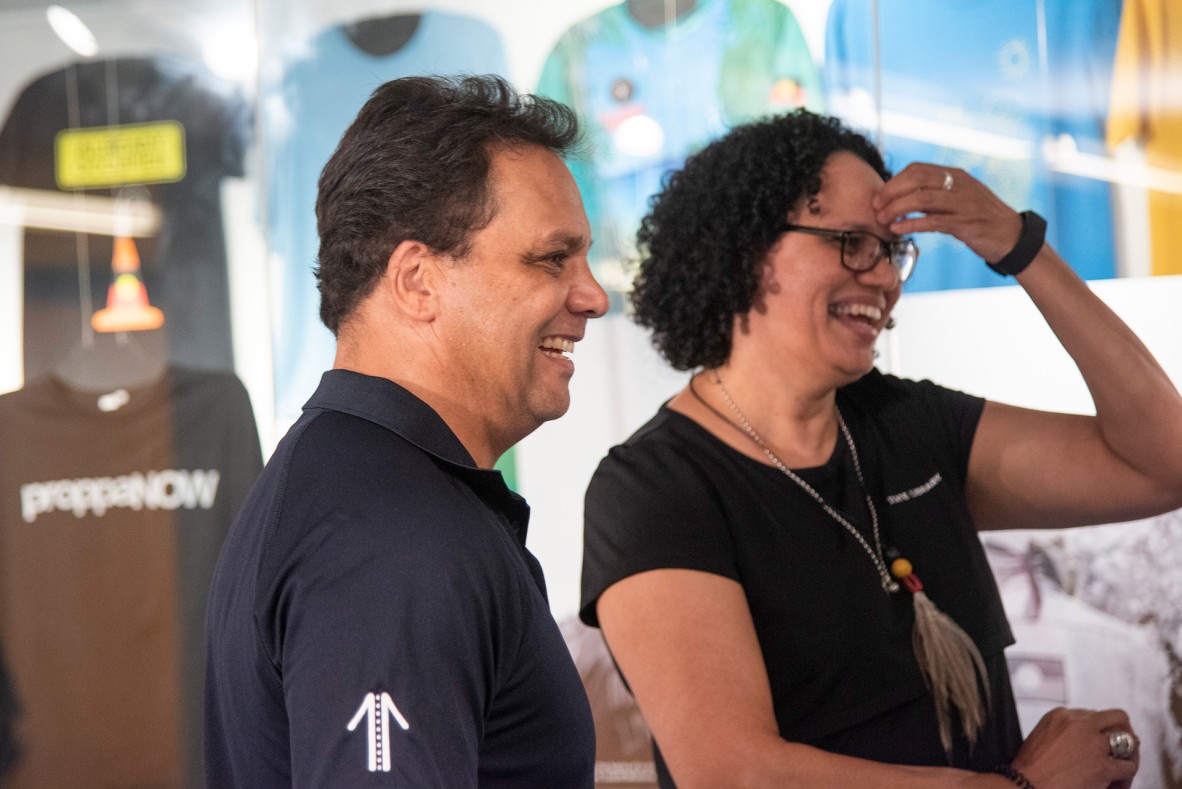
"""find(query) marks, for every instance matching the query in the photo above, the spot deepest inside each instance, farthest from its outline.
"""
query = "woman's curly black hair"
(707, 234)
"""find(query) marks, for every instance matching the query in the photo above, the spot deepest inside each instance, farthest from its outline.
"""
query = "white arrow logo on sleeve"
(374, 709)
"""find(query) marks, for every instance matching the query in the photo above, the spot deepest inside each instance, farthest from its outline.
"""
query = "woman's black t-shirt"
(837, 648)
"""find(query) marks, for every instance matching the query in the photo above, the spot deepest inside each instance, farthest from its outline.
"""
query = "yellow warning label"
(141, 153)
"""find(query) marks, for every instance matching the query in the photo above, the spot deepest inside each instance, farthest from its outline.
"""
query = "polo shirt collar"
(385, 403)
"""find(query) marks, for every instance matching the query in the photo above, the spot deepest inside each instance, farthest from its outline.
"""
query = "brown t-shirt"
(112, 510)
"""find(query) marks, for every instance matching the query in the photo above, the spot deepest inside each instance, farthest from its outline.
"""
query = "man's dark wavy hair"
(414, 164)
(705, 239)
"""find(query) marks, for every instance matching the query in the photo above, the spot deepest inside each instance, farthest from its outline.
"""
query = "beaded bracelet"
(1030, 240)
(1014, 775)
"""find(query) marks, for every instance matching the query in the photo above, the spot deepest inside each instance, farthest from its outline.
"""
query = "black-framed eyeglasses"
(861, 250)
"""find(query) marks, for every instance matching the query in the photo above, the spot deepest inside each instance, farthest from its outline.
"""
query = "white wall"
(619, 383)
(994, 342)
(989, 342)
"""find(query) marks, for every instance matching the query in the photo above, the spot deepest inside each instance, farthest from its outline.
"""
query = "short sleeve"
(957, 415)
(392, 621)
(940, 423)
(652, 504)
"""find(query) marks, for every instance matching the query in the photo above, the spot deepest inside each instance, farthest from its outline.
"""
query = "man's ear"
(411, 280)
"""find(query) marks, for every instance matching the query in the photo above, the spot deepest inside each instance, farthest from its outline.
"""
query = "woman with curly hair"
(784, 561)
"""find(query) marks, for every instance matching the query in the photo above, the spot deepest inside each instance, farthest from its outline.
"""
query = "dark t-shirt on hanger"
(184, 264)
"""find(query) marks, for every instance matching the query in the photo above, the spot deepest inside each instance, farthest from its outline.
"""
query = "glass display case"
(158, 173)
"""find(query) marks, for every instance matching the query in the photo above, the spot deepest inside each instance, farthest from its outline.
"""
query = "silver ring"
(1121, 744)
(947, 181)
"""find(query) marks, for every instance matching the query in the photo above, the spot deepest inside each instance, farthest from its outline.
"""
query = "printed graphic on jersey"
(374, 709)
(649, 97)
(139, 153)
(169, 489)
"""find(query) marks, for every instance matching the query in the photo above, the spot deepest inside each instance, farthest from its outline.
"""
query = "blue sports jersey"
(317, 96)
(974, 85)
(649, 97)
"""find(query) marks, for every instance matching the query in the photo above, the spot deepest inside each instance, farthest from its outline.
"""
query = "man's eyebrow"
(561, 238)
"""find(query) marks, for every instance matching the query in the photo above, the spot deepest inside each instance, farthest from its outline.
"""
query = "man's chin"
(555, 406)
(556, 412)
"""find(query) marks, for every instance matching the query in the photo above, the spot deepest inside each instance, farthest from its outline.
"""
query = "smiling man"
(375, 618)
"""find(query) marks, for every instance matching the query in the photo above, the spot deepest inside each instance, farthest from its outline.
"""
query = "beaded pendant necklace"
(889, 585)
(948, 658)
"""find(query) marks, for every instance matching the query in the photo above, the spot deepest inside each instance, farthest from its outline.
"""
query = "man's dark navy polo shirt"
(375, 618)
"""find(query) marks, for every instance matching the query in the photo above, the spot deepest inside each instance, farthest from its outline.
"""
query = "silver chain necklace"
(888, 584)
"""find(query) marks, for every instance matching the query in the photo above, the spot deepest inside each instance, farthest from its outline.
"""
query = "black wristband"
(1030, 240)
(1009, 772)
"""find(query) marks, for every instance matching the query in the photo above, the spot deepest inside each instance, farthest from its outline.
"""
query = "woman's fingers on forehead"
(917, 175)
(901, 205)
(904, 183)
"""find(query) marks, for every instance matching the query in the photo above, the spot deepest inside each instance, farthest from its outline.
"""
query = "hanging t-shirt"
(112, 512)
(968, 84)
(319, 92)
(1147, 106)
(205, 127)
(650, 97)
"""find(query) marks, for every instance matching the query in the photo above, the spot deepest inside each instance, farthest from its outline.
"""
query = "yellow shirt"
(1146, 105)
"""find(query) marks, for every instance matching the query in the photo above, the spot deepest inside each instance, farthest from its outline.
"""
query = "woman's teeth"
(870, 312)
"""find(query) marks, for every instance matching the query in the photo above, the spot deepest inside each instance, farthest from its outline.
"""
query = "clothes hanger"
(109, 362)
(659, 13)
(380, 36)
